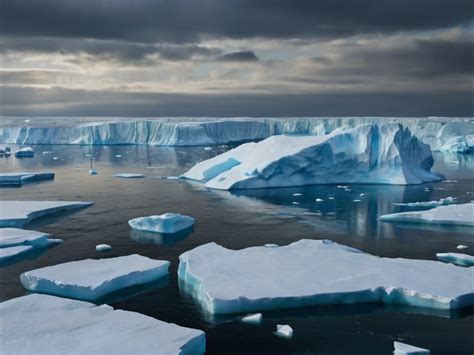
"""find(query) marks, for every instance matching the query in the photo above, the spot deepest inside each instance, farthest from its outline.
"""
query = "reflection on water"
(160, 238)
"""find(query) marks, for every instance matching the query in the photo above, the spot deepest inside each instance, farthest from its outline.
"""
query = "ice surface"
(312, 272)
(103, 247)
(8, 253)
(456, 215)
(429, 204)
(15, 236)
(253, 318)
(166, 223)
(129, 176)
(456, 258)
(405, 349)
(40, 324)
(284, 331)
(382, 154)
(18, 213)
(24, 177)
(91, 279)
(24, 152)
(461, 246)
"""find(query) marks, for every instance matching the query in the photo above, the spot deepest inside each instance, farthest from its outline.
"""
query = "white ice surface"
(24, 152)
(103, 247)
(253, 318)
(165, 223)
(40, 324)
(129, 176)
(284, 331)
(14, 251)
(456, 258)
(405, 349)
(311, 272)
(429, 204)
(91, 279)
(24, 177)
(382, 154)
(18, 213)
(16, 236)
(455, 215)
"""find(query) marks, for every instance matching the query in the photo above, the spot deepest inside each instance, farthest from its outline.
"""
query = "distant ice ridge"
(442, 133)
(312, 272)
(381, 154)
(40, 324)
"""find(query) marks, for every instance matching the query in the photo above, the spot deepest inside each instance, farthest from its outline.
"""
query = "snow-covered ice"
(16, 236)
(24, 177)
(103, 247)
(129, 175)
(405, 349)
(255, 318)
(18, 213)
(429, 204)
(382, 154)
(91, 279)
(454, 215)
(311, 272)
(284, 331)
(41, 324)
(461, 246)
(8, 253)
(456, 258)
(166, 223)
(25, 152)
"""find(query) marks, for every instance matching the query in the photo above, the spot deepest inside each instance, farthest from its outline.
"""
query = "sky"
(236, 58)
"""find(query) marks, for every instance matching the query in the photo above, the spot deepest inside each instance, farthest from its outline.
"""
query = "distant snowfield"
(452, 134)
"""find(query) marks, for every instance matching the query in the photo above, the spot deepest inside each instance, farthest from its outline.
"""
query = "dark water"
(236, 221)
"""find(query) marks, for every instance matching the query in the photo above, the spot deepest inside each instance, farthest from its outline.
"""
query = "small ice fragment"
(319, 200)
(357, 200)
(118, 155)
(331, 197)
(25, 152)
(55, 158)
(284, 331)
(165, 223)
(27, 121)
(172, 178)
(456, 259)
(54, 241)
(93, 172)
(297, 194)
(129, 176)
(295, 203)
(207, 148)
(271, 245)
(361, 194)
(405, 349)
(46, 152)
(103, 247)
(253, 318)
(461, 246)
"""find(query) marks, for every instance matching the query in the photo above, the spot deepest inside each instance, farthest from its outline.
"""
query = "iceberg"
(456, 258)
(103, 247)
(25, 152)
(429, 204)
(284, 331)
(461, 246)
(314, 272)
(41, 324)
(18, 213)
(405, 349)
(91, 279)
(167, 223)
(129, 176)
(24, 177)
(378, 154)
(452, 215)
(252, 318)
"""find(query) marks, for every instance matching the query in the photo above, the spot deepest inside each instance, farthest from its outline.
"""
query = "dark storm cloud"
(245, 56)
(187, 20)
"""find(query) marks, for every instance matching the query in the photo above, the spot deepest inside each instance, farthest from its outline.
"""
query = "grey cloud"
(244, 56)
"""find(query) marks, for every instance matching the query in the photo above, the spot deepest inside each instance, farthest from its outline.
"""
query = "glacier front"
(378, 154)
(313, 272)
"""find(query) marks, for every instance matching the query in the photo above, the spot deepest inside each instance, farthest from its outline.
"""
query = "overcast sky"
(237, 57)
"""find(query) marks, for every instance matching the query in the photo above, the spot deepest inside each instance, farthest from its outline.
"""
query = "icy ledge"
(313, 272)
(14, 242)
(378, 154)
(39, 324)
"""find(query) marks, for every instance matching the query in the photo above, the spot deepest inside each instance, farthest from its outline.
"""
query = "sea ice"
(8, 253)
(456, 215)
(16, 236)
(24, 177)
(383, 154)
(253, 318)
(41, 324)
(18, 213)
(405, 349)
(24, 152)
(166, 223)
(284, 331)
(429, 204)
(461, 246)
(129, 176)
(456, 258)
(103, 247)
(92, 172)
(312, 272)
(91, 279)
(297, 194)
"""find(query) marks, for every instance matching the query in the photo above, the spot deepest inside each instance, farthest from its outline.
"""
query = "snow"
(312, 272)
(40, 324)
(91, 279)
(24, 177)
(103, 247)
(165, 223)
(405, 349)
(454, 215)
(429, 204)
(15, 236)
(382, 154)
(24, 152)
(284, 331)
(456, 258)
(18, 213)
(129, 176)
(253, 318)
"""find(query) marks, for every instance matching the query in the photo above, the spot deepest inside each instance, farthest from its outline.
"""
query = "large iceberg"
(381, 154)
(442, 133)
(313, 272)
(92, 279)
(18, 213)
(451, 215)
(166, 223)
(40, 324)
(24, 177)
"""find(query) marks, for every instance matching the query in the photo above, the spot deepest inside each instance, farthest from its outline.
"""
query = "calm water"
(237, 221)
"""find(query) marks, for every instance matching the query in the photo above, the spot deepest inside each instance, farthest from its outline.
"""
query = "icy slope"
(381, 154)
(311, 272)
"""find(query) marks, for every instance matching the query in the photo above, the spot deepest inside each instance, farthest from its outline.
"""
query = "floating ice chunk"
(429, 204)
(319, 200)
(253, 318)
(103, 247)
(357, 200)
(54, 241)
(118, 155)
(55, 158)
(165, 223)
(14, 251)
(24, 177)
(18, 213)
(405, 349)
(46, 152)
(284, 331)
(25, 152)
(92, 172)
(456, 258)
(312, 272)
(15, 236)
(331, 197)
(84, 328)
(271, 245)
(461, 246)
(295, 203)
(91, 279)
(129, 176)
(207, 148)
(461, 215)
(27, 121)
(297, 194)
(173, 178)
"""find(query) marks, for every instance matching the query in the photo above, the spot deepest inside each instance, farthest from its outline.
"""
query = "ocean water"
(238, 220)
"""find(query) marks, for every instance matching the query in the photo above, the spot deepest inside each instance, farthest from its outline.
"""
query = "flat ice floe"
(405, 349)
(15, 242)
(91, 279)
(382, 154)
(24, 177)
(454, 215)
(14, 251)
(167, 223)
(456, 258)
(25, 152)
(18, 213)
(129, 176)
(40, 324)
(313, 272)
(429, 204)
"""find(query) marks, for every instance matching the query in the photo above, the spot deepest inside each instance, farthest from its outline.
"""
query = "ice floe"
(253, 318)
(461, 246)
(405, 349)
(8, 253)
(129, 176)
(456, 258)
(24, 177)
(166, 223)
(103, 247)
(312, 272)
(41, 324)
(92, 279)
(25, 152)
(284, 331)
(429, 204)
